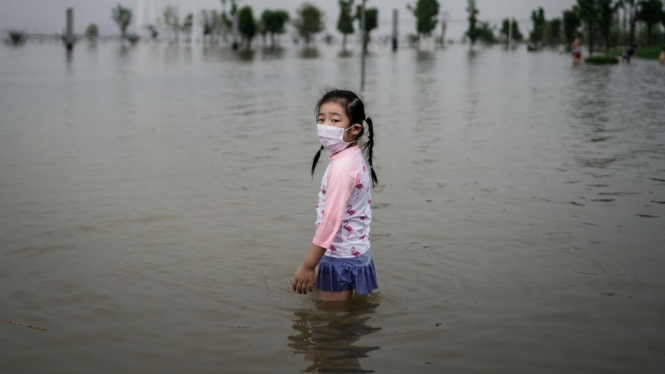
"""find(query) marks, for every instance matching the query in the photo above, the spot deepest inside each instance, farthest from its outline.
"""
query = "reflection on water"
(310, 52)
(328, 335)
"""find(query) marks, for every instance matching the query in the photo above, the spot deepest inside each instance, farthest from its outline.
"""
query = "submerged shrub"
(601, 60)
(16, 37)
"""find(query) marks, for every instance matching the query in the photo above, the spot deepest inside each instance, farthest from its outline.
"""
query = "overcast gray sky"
(48, 16)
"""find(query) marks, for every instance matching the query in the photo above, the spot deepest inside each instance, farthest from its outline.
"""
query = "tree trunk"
(632, 30)
(344, 43)
(272, 39)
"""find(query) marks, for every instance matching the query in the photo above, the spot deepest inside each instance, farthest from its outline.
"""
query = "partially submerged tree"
(486, 35)
(172, 21)
(154, 33)
(607, 11)
(571, 23)
(211, 22)
(345, 21)
(16, 37)
(309, 21)
(92, 31)
(505, 30)
(247, 25)
(425, 12)
(631, 7)
(588, 12)
(651, 13)
(538, 32)
(227, 18)
(123, 18)
(274, 22)
(473, 32)
(553, 32)
(187, 24)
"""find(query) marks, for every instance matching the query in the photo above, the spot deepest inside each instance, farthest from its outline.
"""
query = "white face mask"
(332, 138)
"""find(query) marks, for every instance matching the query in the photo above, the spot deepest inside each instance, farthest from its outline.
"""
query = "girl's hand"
(304, 279)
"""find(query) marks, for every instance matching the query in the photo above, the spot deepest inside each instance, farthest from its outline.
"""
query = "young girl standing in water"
(341, 247)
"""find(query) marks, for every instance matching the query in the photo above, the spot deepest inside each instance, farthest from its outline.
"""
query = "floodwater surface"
(156, 200)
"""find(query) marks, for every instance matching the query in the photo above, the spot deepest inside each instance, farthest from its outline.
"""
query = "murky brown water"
(155, 202)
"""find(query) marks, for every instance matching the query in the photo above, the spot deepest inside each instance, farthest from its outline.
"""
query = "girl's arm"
(305, 277)
(342, 178)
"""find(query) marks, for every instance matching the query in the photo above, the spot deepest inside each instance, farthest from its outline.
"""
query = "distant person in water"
(339, 260)
(576, 50)
(661, 58)
(628, 53)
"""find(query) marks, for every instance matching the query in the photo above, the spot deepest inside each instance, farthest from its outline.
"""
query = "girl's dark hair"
(355, 110)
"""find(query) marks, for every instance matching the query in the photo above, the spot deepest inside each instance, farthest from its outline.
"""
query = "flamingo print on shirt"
(347, 227)
(343, 212)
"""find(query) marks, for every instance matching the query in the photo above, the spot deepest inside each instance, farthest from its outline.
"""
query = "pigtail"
(316, 160)
(369, 146)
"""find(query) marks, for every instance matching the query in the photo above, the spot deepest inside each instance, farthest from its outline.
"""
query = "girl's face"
(333, 114)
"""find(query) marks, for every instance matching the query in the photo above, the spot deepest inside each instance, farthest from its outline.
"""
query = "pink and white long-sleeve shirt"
(343, 212)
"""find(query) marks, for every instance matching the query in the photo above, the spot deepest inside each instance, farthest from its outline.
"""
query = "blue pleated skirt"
(341, 274)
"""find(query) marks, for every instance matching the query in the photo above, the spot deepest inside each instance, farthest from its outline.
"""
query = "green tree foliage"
(274, 22)
(172, 20)
(309, 21)
(154, 33)
(631, 7)
(607, 11)
(226, 21)
(227, 17)
(16, 37)
(588, 12)
(345, 21)
(505, 30)
(211, 20)
(538, 32)
(473, 32)
(371, 22)
(425, 12)
(650, 13)
(247, 25)
(486, 35)
(554, 31)
(571, 23)
(187, 23)
(123, 17)
(92, 31)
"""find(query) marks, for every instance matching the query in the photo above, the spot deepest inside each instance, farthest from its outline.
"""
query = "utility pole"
(69, 36)
(395, 35)
(364, 36)
(510, 34)
(444, 26)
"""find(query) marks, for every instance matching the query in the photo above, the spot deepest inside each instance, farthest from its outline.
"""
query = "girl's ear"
(356, 129)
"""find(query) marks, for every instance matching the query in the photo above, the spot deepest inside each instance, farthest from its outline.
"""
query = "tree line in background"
(600, 23)
(603, 24)
(218, 25)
